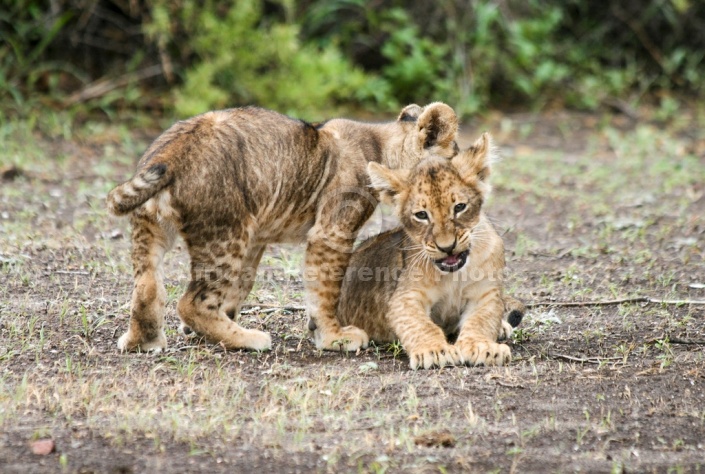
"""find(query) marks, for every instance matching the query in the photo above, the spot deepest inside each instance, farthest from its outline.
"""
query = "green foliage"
(488, 53)
(315, 57)
(245, 59)
(479, 57)
(415, 62)
(26, 31)
(536, 63)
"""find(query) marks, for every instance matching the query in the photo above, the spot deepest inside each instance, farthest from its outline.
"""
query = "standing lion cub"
(439, 274)
(232, 181)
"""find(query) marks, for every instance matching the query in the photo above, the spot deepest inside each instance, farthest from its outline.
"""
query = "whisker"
(418, 260)
(480, 240)
(494, 220)
(413, 247)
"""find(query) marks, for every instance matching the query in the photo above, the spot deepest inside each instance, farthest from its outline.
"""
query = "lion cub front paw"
(349, 339)
(440, 355)
(480, 352)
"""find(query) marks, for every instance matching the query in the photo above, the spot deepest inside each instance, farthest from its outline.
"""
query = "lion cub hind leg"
(213, 298)
(245, 282)
(150, 241)
(207, 307)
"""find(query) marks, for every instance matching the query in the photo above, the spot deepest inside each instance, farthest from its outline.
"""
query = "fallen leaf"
(11, 173)
(436, 439)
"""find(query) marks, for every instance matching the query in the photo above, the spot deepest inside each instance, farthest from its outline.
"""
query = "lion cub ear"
(410, 113)
(438, 127)
(475, 164)
(389, 183)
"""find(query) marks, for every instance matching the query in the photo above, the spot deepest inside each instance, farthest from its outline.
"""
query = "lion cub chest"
(451, 298)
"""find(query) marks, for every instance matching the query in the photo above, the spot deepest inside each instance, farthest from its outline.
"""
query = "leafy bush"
(311, 57)
(26, 31)
(480, 53)
(242, 57)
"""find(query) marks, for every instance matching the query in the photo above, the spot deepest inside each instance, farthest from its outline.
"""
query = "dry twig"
(586, 360)
(268, 308)
(102, 86)
(675, 340)
(638, 299)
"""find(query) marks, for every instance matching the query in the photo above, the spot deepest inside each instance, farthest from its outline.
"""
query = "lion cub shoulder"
(440, 273)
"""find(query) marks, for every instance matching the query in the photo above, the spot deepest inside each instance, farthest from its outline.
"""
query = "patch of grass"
(575, 240)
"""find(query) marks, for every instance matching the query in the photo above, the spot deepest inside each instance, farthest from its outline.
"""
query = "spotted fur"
(440, 273)
(232, 181)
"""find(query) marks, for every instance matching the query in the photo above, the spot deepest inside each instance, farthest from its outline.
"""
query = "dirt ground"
(592, 208)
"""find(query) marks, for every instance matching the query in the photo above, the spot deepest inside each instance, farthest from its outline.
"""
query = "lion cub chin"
(440, 273)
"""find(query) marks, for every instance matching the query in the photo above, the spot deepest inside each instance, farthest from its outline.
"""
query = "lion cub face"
(439, 202)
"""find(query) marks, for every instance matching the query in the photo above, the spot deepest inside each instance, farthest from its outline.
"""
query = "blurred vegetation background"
(314, 58)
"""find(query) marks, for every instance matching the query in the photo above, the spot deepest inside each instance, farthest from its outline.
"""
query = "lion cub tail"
(140, 188)
(513, 310)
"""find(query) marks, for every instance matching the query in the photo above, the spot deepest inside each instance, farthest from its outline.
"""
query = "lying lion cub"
(440, 274)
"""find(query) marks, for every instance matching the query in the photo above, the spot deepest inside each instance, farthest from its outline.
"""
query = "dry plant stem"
(509, 385)
(102, 86)
(272, 307)
(622, 107)
(675, 340)
(588, 360)
(643, 37)
(640, 299)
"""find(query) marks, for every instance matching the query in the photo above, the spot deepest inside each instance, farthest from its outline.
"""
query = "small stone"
(42, 447)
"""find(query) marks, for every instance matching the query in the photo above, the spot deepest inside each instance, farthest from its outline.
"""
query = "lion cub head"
(439, 201)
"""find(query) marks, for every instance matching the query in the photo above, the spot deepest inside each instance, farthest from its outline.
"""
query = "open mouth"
(453, 262)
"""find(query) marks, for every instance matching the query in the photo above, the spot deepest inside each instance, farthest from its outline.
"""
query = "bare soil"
(592, 209)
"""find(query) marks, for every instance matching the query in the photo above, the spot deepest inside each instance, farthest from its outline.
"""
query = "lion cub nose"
(448, 250)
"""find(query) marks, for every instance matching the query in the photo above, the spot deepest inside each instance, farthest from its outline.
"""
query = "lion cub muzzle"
(452, 263)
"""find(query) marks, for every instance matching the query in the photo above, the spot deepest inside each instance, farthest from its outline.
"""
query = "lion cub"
(440, 274)
(232, 181)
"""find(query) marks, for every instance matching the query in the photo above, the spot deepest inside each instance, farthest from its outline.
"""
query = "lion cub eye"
(460, 207)
(421, 215)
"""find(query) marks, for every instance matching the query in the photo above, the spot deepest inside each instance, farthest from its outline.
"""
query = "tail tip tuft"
(112, 206)
(515, 317)
(155, 172)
